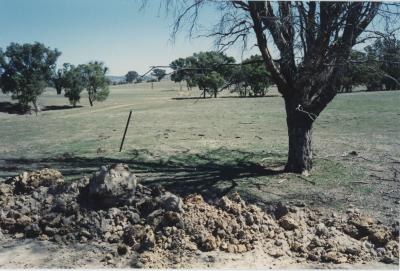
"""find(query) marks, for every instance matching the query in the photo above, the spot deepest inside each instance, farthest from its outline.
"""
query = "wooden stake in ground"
(126, 128)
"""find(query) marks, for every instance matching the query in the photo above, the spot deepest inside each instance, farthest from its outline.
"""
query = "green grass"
(211, 146)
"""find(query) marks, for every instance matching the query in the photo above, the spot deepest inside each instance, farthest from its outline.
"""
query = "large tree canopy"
(131, 76)
(304, 47)
(26, 71)
(208, 70)
(251, 78)
(95, 80)
(73, 82)
(385, 55)
(159, 74)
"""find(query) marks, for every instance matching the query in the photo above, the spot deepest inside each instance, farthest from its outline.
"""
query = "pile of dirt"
(158, 226)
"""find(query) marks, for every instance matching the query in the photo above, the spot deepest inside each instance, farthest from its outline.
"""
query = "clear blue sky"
(116, 32)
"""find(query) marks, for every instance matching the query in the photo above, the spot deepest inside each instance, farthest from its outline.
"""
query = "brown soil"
(46, 222)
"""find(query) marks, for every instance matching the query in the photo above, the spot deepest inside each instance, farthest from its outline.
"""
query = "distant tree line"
(74, 79)
(26, 70)
(213, 72)
(378, 68)
(134, 77)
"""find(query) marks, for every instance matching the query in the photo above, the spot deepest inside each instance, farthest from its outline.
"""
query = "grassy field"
(216, 146)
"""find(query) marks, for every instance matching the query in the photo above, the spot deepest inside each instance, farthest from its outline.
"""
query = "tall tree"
(387, 52)
(73, 82)
(210, 83)
(27, 70)
(313, 41)
(57, 80)
(371, 70)
(159, 74)
(205, 69)
(131, 76)
(181, 71)
(255, 76)
(358, 71)
(184, 70)
(96, 82)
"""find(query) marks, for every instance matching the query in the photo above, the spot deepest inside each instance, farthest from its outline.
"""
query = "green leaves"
(26, 69)
(158, 73)
(208, 70)
(377, 68)
(74, 79)
(73, 82)
(210, 82)
(131, 76)
(96, 82)
(255, 75)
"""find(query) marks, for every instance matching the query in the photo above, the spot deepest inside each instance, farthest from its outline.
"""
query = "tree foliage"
(384, 61)
(159, 74)
(26, 71)
(378, 68)
(183, 71)
(57, 80)
(131, 76)
(251, 78)
(95, 80)
(73, 82)
(210, 83)
(312, 41)
(210, 71)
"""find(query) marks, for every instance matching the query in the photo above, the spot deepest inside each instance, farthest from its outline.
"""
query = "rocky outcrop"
(112, 186)
(112, 207)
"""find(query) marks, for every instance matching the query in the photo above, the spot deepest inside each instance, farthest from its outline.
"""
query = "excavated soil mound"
(159, 226)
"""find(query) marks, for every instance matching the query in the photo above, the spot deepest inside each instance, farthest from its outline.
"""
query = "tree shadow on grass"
(11, 108)
(251, 97)
(211, 174)
(15, 108)
(59, 107)
(190, 98)
(226, 97)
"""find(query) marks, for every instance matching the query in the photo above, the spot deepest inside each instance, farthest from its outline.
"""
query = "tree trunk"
(215, 93)
(300, 139)
(90, 101)
(35, 106)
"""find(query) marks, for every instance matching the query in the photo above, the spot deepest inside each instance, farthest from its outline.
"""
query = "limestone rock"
(208, 243)
(5, 189)
(113, 186)
(28, 181)
(171, 202)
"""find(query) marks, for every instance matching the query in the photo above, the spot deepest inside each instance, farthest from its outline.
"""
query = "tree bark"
(90, 101)
(300, 139)
(35, 106)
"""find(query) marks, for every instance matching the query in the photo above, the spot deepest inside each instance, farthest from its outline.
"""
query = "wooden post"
(126, 128)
